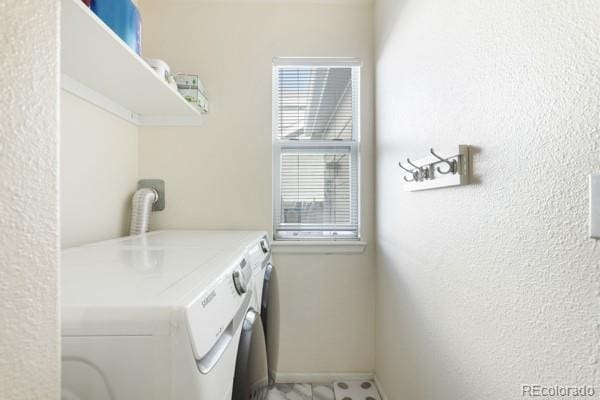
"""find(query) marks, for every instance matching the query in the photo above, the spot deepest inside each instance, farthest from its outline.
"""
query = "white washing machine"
(165, 315)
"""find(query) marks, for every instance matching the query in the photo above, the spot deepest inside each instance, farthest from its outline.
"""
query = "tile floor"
(301, 391)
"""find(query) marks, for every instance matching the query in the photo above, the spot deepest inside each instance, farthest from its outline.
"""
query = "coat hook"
(408, 161)
(409, 171)
(452, 165)
(420, 173)
(404, 168)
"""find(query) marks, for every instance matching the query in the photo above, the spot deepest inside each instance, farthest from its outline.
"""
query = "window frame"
(352, 147)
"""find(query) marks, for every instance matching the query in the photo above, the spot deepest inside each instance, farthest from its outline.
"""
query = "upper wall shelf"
(99, 67)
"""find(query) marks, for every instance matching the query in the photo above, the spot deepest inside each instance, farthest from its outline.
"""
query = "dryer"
(264, 288)
(162, 316)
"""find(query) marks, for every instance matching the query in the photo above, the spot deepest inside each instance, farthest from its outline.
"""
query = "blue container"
(123, 17)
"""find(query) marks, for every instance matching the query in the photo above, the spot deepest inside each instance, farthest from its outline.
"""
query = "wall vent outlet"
(159, 186)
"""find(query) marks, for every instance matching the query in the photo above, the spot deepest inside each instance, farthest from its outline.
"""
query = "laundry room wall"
(99, 169)
(218, 176)
(29, 244)
(486, 287)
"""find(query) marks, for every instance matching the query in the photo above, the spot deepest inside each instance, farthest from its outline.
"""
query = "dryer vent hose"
(141, 207)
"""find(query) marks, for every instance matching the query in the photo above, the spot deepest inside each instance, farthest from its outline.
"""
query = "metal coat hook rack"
(449, 167)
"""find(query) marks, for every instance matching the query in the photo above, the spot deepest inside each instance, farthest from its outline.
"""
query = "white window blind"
(315, 149)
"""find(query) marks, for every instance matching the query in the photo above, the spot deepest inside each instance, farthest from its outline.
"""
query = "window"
(315, 149)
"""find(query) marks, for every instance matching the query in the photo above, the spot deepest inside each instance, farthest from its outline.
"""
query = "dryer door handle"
(206, 363)
(210, 359)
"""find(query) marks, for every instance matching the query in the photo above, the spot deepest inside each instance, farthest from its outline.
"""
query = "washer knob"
(240, 283)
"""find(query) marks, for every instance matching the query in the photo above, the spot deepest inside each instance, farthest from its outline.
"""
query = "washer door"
(269, 313)
(251, 380)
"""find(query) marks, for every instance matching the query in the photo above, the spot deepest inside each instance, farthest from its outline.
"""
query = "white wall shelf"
(100, 68)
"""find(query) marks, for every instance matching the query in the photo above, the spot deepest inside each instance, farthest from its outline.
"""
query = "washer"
(166, 315)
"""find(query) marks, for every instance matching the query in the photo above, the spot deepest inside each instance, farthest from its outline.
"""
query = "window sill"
(317, 247)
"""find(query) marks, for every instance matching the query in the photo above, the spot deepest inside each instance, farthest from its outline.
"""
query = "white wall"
(219, 176)
(99, 169)
(29, 346)
(490, 286)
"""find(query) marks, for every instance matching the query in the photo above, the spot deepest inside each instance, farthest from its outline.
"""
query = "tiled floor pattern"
(301, 391)
(360, 390)
(355, 390)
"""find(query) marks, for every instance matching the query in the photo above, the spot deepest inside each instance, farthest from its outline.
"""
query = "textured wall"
(99, 169)
(29, 346)
(219, 175)
(486, 287)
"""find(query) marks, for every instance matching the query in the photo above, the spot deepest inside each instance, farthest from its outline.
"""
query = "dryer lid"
(141, 284)
(115, 291)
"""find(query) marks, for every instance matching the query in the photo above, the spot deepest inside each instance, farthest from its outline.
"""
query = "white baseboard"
(325, 377)
(380, 389)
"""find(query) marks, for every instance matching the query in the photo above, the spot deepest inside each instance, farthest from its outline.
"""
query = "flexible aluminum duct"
(141, 207)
